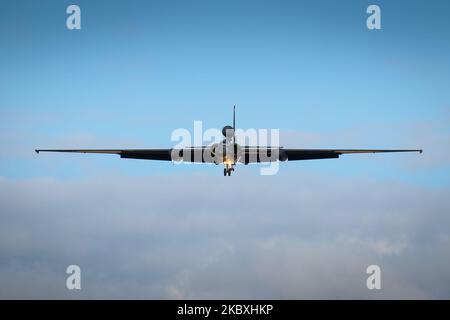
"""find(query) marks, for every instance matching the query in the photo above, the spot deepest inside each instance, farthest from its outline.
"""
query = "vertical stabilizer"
(234, 117)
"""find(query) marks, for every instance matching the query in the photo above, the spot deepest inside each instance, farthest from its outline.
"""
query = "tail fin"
(234, 124)
(234, 117)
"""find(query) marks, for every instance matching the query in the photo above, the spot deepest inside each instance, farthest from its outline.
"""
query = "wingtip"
(420, 151)
(37, 151)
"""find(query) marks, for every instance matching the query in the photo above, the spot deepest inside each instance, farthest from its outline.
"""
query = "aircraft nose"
(228, 131)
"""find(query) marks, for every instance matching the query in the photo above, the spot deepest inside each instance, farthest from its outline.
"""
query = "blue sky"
(137, 70)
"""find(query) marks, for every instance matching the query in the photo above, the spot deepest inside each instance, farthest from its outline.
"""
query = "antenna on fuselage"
(234, 124)
(234, 117)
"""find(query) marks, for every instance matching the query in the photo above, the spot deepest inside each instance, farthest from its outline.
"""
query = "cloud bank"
(199, 236)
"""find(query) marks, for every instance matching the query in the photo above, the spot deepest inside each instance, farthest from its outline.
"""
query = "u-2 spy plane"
(228, 152)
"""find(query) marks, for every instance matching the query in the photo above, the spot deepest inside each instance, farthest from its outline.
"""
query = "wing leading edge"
(251, 154)
(310, 154)
(146, 154)
(265, 154)
(194, 154)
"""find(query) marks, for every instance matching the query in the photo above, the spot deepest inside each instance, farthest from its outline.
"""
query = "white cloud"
(199, 236)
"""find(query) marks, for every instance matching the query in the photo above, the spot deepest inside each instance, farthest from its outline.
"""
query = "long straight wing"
(266, 154)
(147, 154)
(307, 154)
(192, 154)
(250, 154)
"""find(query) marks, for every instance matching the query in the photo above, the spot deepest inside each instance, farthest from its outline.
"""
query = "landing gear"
(227, 172)
(228, 166)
